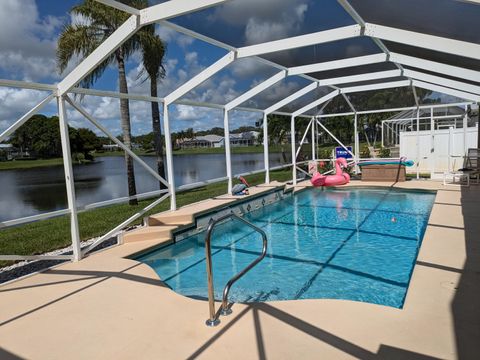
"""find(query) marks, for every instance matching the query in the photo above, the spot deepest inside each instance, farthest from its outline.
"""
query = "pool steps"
(162, 226)
(160, 233)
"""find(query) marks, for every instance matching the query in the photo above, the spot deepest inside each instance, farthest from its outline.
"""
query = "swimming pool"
(357, 244)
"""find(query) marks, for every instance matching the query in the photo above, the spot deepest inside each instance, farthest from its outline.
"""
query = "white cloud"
(28, 42)
(191, 58)
(246, 68)
(263, 24)
(273, 94)
(169, 36)
(186, 112)
(16, 102)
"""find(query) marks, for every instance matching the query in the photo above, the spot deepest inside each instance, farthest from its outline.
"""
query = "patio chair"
(373, 152)
(471, 167)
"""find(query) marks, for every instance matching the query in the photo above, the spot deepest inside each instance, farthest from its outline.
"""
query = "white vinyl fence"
(438, 151)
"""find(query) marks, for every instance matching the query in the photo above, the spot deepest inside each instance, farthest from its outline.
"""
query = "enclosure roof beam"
(291, 98)
(115, 94)
(459, 85)
(173, 8)
(201, 77)
(27, 85)
(120, 6)
(338, 64)
(196, 35)
(440, 68)
(362, 77)
(345, 79)
(300, 41)
(256, 90)
(350, 113)
(316, 103)
(436, 43)
(398, 109)
(379, 86)
(445, 90)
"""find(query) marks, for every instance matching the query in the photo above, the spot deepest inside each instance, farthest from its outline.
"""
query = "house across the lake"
(206, 141)
(247, 138)
(6, 152)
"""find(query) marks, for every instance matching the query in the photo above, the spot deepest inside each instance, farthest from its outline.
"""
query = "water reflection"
(31, 191)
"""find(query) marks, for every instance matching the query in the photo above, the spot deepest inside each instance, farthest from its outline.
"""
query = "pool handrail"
(224, 309)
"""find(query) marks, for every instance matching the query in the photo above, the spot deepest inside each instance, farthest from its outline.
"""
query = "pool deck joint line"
(110, 306)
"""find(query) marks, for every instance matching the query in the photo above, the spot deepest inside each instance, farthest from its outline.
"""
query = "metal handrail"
(224, 309)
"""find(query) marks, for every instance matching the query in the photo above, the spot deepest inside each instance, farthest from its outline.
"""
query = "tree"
(153, 51)
(81, 38)
(146, 141)
(41, 135)
(214, 131)
(278, 127)
(87, 142)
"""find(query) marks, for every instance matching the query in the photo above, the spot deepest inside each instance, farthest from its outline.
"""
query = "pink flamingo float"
(340, 177)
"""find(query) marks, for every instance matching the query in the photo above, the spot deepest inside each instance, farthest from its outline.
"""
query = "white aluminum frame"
(338, 64)
(431, 42)
(436, 67)
(69, 179)
(11, 129)
(458, 85)
(161, 12)
(320, 37)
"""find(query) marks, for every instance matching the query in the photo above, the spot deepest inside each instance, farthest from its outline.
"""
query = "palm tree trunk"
(157, 131)
(125, 125)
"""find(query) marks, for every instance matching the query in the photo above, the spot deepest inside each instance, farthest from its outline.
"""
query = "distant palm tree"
(97, 23)
(153, 51)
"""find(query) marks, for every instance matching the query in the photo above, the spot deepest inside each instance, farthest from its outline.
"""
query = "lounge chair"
(471, 168)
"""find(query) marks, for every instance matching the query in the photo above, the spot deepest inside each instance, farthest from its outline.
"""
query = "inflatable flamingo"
(340, 177)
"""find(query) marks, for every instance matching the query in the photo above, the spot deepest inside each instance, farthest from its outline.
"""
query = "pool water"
(356, 244)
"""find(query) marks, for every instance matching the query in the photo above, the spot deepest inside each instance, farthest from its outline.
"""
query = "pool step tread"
(149, 233)
(172, 219)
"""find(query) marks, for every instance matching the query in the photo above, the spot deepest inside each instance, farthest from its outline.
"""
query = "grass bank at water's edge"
(29, 164)
(51, 234)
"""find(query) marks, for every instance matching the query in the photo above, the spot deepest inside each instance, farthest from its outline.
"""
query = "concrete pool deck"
(110, 307)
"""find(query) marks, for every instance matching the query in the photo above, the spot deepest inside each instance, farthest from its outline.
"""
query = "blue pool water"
(356, 244)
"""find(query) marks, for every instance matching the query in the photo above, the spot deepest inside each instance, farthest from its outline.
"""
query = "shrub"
(384, 152)
(365, 152)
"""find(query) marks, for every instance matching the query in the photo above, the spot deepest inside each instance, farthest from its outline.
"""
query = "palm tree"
(153, 51)
(80, 39)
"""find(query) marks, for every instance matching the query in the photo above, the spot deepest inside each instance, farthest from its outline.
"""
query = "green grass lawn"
(47, 235)
(28, 164)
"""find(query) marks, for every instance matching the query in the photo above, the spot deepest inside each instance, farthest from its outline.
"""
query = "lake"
(28, 192)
